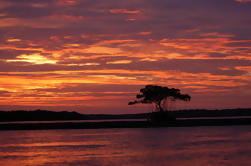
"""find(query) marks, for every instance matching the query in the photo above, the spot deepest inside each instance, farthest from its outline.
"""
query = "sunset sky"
(93, 56)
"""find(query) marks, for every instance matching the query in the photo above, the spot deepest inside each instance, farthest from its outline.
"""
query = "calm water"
(73, 121)
(195, 146)
(119, 120)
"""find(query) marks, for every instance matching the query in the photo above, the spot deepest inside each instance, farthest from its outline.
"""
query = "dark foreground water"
(178, 146)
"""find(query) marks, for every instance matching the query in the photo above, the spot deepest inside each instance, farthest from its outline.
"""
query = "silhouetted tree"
(159, 96)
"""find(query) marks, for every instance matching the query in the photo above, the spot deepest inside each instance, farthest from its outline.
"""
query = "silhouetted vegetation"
(39, 115)
(161, 98)
(212, 113)
(44, 115)
(125, 124)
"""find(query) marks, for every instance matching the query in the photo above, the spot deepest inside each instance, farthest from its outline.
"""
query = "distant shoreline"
(45, 120)
(45, 115)
(126, 124)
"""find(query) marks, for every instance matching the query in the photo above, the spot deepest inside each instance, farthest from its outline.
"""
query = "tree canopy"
(159, 96)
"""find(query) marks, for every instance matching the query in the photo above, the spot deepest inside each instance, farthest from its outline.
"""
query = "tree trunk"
(160, 108)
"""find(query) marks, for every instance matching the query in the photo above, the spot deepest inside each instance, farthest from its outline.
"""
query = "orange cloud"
(13, 40)
(103, 50)
(27, 22)
(39, 5)
(124, 11)
(210, 43)
(30, 88)
(3, 14)
(33, 58)
(131, 19)
(144, 33)
(119, 62)
(66, 2)
(84, 64)
(65, 17)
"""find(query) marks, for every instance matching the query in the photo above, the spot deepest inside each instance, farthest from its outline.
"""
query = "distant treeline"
(212, 113)
(39, 115)
(44, 115)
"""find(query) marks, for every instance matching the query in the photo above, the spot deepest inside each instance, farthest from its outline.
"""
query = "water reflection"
(129, 147)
